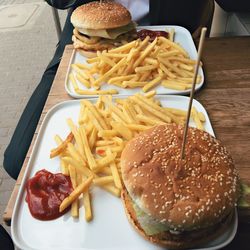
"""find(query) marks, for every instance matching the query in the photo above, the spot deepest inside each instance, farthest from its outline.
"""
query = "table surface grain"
(225, 95)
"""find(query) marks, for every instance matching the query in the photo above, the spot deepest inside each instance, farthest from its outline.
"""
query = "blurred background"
(28, 38)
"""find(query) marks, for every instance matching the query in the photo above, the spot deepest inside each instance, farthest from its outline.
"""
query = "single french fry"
(178, 112)
(103, 180)
(122, 130)
(111, 189)
(133, 85)
(103, 143)
(87, 204)
(93, 138)
(82, 115)
(115, 173)
(74, 205)
(148, 121)
(57, 151)
(77, 137)
(169, 53)
(197, 121)
(174, 45)
(75, 154)
(118, 140)
(150, 94)
(107, 133)
(81, 66)
(145, 53)
(115, 55)
(105, 161)
(151, 61)
(171, 35)
(75, 194)
(97, 92)
(145, 76)
(78, 165)
(120, 78)
(183, 60)
(173, 85)
(90, 159)
(73, 81)
(201, 117)
(63, 165)
(137, 127)
(123, 48)
(152, 84)
(104, 170)
(145, 68)
(83, 81)
(186, 67)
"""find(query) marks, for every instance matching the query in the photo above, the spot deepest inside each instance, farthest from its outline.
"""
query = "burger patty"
(178, 240)
(85, 42)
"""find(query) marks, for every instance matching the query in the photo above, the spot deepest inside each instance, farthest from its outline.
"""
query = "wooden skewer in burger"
(174, 201)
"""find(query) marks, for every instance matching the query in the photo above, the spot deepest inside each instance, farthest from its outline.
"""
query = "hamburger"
(173, 202)
(101, 26)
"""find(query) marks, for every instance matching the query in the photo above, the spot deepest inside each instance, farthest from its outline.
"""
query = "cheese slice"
(109, 33)
(148, 223)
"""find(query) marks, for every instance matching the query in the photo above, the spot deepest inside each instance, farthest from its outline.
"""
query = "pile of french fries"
(142, 64)
(91, 153)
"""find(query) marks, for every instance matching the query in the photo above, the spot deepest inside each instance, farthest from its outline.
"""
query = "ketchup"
(45, 193)
(142, 34)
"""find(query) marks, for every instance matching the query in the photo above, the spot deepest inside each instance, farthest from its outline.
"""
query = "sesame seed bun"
(185, 195)
(176, 241)
(97, 15)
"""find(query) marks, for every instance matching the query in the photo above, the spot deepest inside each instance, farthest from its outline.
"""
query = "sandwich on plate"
(101, 26)
(178, 203)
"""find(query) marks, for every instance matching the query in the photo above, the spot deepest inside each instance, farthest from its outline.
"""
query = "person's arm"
(65, 4)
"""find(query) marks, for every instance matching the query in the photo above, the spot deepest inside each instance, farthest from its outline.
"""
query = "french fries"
(75, 194)
(91, 152)
(138, 64)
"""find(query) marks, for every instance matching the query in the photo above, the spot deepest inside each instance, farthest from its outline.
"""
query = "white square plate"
(182, 36)
(110, 228)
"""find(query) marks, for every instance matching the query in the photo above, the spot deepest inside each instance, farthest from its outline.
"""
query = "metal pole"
(57, 22)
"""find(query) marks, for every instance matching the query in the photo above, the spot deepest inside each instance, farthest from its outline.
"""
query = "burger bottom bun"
(86, 53)
(175, 241)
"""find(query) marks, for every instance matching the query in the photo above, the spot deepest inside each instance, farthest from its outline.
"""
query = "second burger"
(101, 26)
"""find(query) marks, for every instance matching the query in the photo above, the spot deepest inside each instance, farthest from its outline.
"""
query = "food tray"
(110, 228)
(182, 36)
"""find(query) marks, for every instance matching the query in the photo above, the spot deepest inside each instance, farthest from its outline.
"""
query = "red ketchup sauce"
(142, 34)
(45, 193)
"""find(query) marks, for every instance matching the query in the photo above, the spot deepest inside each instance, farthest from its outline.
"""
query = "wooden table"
(225, 95)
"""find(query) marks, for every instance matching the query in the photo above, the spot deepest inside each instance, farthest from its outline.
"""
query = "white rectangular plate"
(110, 228)
(182, 36)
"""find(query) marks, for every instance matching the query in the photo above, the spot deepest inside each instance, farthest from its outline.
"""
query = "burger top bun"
(97, 15)
(188, 194)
